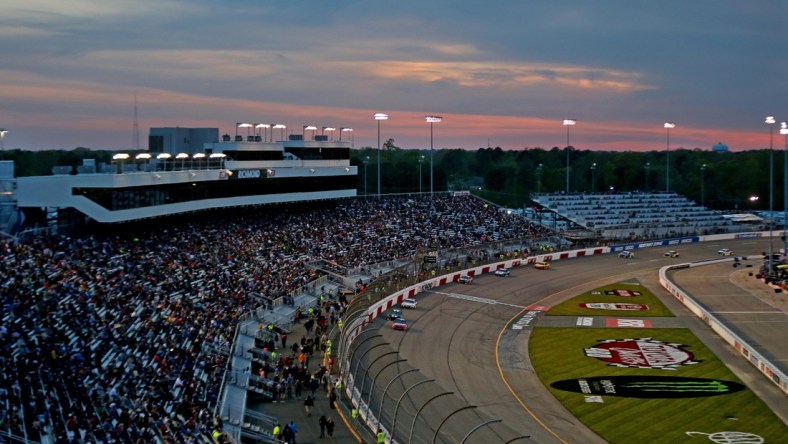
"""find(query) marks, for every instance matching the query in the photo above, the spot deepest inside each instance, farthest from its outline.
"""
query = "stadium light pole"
(3, 132)
(593, 177)
(346, 130)
(703, 185)
(366, 162)
(431, 120)
(784, 132)
(421, 160)
(770, 121)
(264, 127)
(378, 118)
(668, 126)
(279, 126)
(568, 123)
(539, 178)
(647, 167)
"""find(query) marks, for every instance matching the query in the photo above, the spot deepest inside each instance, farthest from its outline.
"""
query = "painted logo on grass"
(729, 437)
(641, 353)
(625, 293)
(614, 306)
(648, 386)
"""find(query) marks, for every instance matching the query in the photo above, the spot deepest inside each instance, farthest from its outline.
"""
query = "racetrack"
(462, 335)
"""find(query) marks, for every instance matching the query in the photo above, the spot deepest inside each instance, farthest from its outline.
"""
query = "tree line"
(719, 180)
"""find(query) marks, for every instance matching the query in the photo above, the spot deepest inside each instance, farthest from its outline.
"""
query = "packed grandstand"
(126, 335)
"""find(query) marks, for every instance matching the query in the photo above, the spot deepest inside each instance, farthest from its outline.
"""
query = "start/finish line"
(475, 299)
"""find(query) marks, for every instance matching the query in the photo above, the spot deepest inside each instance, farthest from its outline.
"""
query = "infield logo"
(611, 306)
(624, 293)
(648, 387)
(641, 353)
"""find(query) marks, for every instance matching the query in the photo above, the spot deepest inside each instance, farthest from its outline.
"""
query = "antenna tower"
(135, 134)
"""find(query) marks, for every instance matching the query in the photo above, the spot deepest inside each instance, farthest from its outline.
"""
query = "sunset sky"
(501, 73)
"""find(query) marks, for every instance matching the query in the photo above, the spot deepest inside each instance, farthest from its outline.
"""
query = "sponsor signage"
(641, 353)
(526, 320)
(648, 386)
(610, 306)
(627, 323)
(249, 174)
(625, 293)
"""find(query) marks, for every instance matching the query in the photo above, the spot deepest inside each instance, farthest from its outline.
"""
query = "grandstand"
(161, 333)
(635, 215)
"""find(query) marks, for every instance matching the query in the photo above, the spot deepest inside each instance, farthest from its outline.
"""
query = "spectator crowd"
(124, 336)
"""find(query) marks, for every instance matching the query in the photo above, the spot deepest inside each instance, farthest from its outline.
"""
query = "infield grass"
(558, 354)
(630, 293)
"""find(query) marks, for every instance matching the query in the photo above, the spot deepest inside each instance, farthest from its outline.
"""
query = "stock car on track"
(541, 265)
(725, 252)
(503, 272)
(672, 253)
(465, 279)
(395, 314)
(400, 324)
(408, 303)
(626, 254)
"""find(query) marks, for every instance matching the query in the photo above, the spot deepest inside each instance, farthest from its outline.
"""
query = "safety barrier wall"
(749, 352)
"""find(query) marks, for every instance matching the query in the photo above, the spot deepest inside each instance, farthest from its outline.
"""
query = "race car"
(408, 303)
(541, 265)
(626, 254)
(672, 253)
(503, 272)
(400, 324)
(725, 252)
(465, 279)
(395, 314)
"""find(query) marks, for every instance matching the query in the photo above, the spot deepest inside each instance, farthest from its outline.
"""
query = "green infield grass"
(622, 299)
(683, 392)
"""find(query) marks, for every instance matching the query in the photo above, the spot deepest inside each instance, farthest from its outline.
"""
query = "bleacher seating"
(639, 214)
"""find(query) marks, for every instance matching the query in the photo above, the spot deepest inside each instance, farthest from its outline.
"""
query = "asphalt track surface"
(462, 336)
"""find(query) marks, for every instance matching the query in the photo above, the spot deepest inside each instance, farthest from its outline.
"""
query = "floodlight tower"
(431, 120)
(568, 123)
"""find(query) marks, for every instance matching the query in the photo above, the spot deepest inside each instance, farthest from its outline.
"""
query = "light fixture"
(142, 156)
(120, 156)
(265, 127)
(431, 120)
(568, 123)
(668, 126)
(281, 127)
(378, 118)
(164, 156)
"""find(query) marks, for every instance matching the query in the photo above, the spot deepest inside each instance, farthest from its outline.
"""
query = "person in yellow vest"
(340, 324)
(354, 413)
(277, 432)
(381, 437)
(216, 434)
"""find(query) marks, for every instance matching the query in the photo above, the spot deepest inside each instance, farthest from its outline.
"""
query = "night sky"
(500, 73)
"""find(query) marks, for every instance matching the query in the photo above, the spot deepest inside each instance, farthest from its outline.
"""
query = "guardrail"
(749, 352)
